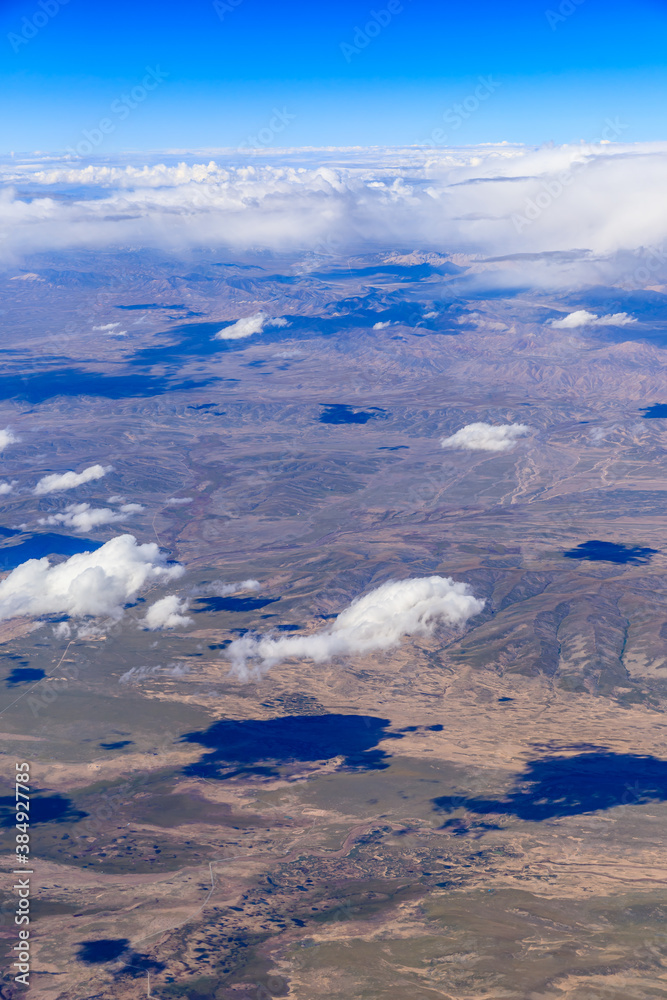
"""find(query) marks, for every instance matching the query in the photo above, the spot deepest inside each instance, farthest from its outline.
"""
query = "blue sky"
(225, 72)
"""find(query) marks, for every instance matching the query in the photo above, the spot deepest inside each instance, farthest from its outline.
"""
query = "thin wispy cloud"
(7, 437)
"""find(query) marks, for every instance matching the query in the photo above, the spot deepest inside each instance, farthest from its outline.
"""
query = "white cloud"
(485, 437)
(107, 326)
(7, 487)
(248, 325)
(58, 481)
(7, 437)
(381, 326)
(89, 583)
(378, 620)
(218, 588)
(176, 501)
(168, 612)
(582, 317)
(588, 201)
(83, 517)
(136, 674)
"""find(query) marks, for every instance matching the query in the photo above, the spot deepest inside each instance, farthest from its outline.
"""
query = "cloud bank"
(488, 200)
(378, 620)
(582, 317)
(90, 583)
(486, 437)
(248, 325)
(83, 517)
(59, 481)
(168, 612)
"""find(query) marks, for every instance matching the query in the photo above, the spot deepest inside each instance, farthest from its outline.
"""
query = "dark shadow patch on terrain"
(37, 387)
(117, 746)
(570, 786)
(596, 551)
(233, 603)
(189, 340)
(152, 305)
(341, 413)
(24, 675)
(106, 950)
(655, 411)
(102, 950)
(258, 745)
(403, 272)
(42, 544)
(43, 809)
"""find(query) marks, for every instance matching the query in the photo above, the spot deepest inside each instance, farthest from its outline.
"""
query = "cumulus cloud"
(381, 326)
(59, 481)
(89, 583)
(582, 317)
(7, 487)
(83, 517)
(486, 437)
(7, 437)
(378, 620)
(248, 325)
(177, 501)
(168, 612)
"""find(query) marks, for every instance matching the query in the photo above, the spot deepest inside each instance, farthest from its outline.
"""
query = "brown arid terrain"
(477, 813)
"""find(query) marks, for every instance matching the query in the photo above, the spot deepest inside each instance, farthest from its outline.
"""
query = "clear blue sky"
(228, 69)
